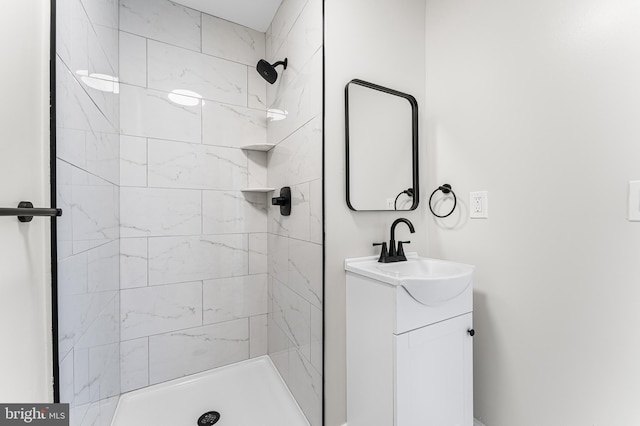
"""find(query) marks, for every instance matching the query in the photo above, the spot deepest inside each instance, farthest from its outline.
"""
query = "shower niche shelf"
(257, 189)
(259, 147)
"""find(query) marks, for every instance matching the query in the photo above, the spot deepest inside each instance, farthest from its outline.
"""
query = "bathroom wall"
(25, 248)
(381, 42)
(295, 241)
(538, 104)
(193, 248)
(88, 192)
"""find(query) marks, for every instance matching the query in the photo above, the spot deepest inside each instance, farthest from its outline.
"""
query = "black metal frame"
(324, 249)
(414, 134)
(53, 186)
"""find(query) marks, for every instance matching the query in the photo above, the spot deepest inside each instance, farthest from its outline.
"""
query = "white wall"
(25, 255)
(381, 42)
(537, 102)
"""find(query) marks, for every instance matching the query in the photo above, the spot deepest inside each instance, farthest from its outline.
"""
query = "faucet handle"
(401, 248)
(384, 254)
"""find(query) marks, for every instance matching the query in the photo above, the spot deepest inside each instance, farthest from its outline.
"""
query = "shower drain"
(209, 418)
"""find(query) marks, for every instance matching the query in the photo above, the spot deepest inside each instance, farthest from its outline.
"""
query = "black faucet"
(395, 254)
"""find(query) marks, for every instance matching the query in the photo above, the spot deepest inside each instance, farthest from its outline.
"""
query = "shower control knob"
(471, 332)
(284, 201)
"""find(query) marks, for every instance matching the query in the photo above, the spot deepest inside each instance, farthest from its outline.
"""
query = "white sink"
(431, 282)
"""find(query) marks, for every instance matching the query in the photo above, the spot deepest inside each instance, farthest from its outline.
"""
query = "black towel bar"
(26, 212)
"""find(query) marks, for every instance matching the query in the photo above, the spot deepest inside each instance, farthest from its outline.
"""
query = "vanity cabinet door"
(434, 374)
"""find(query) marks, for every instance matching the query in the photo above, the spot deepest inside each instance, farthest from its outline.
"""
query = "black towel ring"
(446, 188)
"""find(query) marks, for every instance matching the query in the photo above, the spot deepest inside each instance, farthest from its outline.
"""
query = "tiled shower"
(171, 262)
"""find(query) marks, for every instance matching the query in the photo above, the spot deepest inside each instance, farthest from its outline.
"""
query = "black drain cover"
(209, 418)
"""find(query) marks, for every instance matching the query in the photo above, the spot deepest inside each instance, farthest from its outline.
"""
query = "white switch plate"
(479, 205)
(634, 201)
(390, 202)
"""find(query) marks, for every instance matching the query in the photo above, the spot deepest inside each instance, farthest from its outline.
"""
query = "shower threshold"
(246, 393)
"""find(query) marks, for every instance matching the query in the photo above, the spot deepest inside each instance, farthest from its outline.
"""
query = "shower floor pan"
(248, 393)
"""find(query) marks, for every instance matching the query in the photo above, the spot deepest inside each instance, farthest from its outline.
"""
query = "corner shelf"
(257, 189)
(259, 147)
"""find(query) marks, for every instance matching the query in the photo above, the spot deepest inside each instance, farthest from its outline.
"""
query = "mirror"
(381, 148)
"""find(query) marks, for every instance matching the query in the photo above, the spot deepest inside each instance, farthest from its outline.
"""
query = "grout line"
(248, 70)
(202, 302)
(148, 362)
(88, 95)
(201, 106)
(189, 282)
(146, 144)
(180, 330)
(148, 269)
(146, 63)
(216, 101)
(194, 236)
(188, 49)
(106, 182)
(93, 28)
(249, 334)
(194, 281)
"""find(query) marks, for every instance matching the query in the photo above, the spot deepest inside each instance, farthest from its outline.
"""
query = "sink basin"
(431, 282)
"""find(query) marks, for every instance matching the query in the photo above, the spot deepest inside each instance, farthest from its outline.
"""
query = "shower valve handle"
(284, 201)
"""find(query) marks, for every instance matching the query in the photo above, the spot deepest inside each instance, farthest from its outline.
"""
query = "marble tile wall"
(88, 175)
(166, 267)
(193, 248)
(294, 242)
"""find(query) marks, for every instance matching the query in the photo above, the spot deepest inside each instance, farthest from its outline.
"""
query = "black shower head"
(268, 71)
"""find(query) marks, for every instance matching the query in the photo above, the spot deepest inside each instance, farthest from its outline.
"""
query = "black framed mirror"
(381, 148)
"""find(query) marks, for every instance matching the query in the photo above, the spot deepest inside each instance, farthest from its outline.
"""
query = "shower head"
(268, 71)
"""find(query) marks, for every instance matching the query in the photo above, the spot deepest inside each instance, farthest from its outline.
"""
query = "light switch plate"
(390, 202)
(479, 205)
(634, 201)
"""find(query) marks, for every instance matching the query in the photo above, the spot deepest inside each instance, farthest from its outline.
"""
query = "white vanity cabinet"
(408, 364)
(434, 374)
